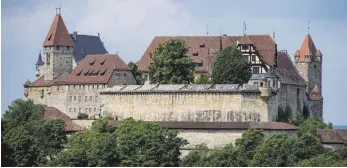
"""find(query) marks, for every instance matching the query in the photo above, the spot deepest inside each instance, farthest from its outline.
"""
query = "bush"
(82, 116)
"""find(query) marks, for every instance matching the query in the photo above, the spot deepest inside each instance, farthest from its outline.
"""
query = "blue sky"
(128, 27)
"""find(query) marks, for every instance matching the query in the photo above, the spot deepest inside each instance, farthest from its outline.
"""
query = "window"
(93, 86)
(253, 58)
(58, 48)
(273, 83)
(90, 110)
(68, 47)
(244, 48)
(84, 87)
(96, 98)
(255, 70)
(97, 86)
(48, 59)
(79, 110)
(94, 110)
(74, 110)
(79, 98)
(90, 98)
(70, 110)
(314, 66)
(146, 77)
(255, 83)
(261, 84)
(269, 83)
(86, 99)
(86, 110)
(42, 93)
(74, 98)
(70, 99)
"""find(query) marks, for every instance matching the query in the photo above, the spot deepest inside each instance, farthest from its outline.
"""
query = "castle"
(77, 75)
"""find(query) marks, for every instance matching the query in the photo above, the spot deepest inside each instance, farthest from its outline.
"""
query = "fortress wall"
(292, 96)
(187, 106)
(53, 96)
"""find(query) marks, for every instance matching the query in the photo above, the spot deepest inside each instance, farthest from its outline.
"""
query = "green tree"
(31, 138)
(337, 158)
(311, 124)
(248, 143)
(82, 116)
(196, 157)
(6, 154)
(284, 115)
(308, 146)
(230, 67)
(146, 144)
(228, 156)
(171, 64)
(203, 79)
(276, 151)
(136, 73)
(93, 148)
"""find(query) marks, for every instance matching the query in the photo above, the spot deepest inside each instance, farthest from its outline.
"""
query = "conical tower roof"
(58, 34)
(307, 48)
(39, 60)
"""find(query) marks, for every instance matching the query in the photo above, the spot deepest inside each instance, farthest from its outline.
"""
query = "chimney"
(225, 35)
(75, 35)
(99, 35)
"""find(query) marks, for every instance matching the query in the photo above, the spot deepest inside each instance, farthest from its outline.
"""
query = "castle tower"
(39, 66)
(57, 49)
(308, 61)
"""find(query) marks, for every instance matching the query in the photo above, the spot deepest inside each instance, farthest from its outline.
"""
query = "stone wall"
(83, 99)
(83, 123)
(216, 139)
(293, 96)
(187, 106)
(59, 61)
(315, 107)
(53, 96)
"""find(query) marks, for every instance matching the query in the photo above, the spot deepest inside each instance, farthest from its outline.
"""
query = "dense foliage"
(171, 65)
(284, 115)
(30, 139)
(82, 116)
(136, 73)
(93, 148)
(146, 144)
(203, 79)
(230, 67)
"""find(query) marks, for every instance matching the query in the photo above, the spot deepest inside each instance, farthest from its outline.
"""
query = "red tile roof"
(263, 43)
(94, 69)
(54, 113)
(328, 136)
(219, 125)
(307, 48)
(245, 40)
(58, 34)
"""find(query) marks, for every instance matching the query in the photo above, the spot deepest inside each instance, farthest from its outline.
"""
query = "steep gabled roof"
(27, 83)
(58, 34)
(328, 136)
(86, 45)
(245, 40)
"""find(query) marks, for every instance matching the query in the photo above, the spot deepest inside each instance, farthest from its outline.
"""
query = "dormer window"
(79, 73)
(202, 44)
(92, 61)
(103, 73)
(102, 62)
(244, 47)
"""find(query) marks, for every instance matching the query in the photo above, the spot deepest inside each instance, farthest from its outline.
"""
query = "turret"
(58, 49)
(39, 66)
(308, 61)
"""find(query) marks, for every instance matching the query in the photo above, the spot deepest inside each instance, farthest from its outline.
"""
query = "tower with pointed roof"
(39, 66)
(57, 49)
(308, 62)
